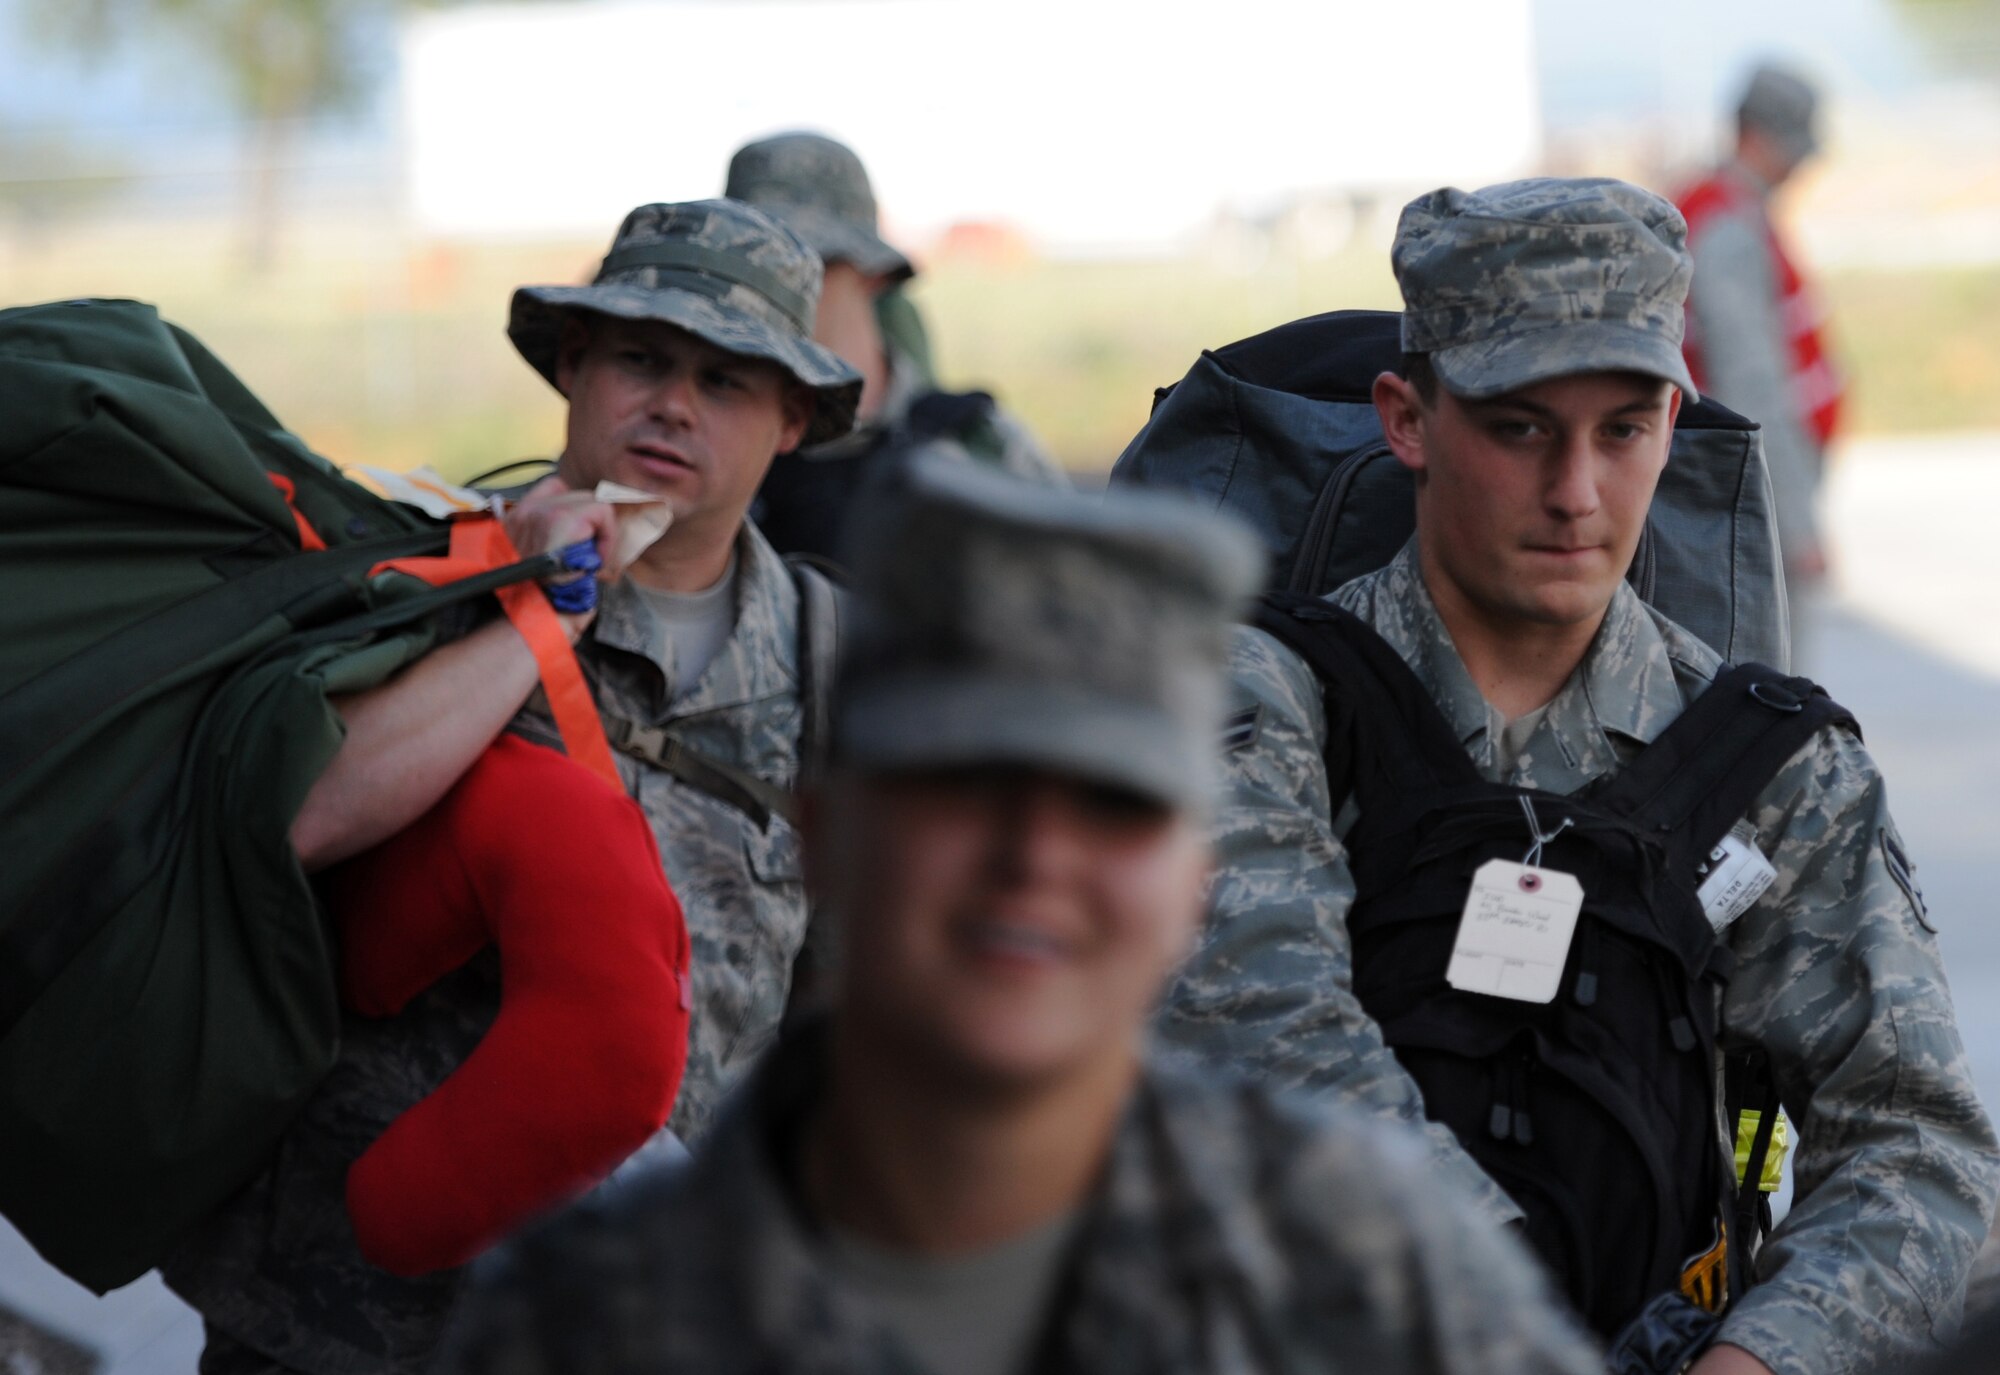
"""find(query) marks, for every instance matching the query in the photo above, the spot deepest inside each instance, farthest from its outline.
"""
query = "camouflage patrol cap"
(1519, 283)
(725, 272)
(817, 186)
(1784, 105)
(1003, 621)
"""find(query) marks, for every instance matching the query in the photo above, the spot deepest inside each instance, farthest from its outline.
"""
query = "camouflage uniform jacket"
(277, 1268)
(1230, 1232)
(1838, 975)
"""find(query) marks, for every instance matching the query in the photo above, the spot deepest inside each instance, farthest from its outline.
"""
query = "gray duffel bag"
(1279, 429)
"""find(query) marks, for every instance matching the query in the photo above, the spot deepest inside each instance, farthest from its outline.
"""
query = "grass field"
(379, 351)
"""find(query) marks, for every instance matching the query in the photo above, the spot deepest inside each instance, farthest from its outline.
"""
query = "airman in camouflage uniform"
(701, 310)
(819, 188)
(1022, 754)
(1838, 973)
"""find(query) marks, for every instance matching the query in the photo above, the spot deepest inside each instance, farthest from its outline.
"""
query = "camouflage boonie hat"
(1519, 283)
(725, 272)
(1002, 621)
(1784, 105)
(819, 188)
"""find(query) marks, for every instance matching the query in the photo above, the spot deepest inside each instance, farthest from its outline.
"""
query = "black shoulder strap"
(532, 470)
(1368, 685)
(948, 414)
(1704, 771)
(760, 800)
(1747, 1086)
(726, 783)
(819, 650)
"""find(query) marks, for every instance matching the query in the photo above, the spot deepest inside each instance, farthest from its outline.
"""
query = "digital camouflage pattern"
(741, 886)
(719, 269)
(1229, 1232)
(819, 188)
(1529, 280)
(1839, 977)
(1000, 620)
(277, 1269)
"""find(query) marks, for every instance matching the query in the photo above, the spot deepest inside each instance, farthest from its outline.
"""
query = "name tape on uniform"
(1738, 874)
(1514, 935)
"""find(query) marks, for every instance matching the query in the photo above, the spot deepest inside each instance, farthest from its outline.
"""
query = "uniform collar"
(1623, 691)
(1169, 1196)
(771, 1252)
(754, 663)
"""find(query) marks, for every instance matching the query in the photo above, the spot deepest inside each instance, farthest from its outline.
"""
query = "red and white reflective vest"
(1816, 382)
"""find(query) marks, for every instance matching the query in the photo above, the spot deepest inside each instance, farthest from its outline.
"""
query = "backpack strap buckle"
(1778, 696)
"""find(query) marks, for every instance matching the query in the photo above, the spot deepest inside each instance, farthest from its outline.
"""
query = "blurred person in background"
(1755, 337)
(686, 366)
(974, 1168)
(820, 190)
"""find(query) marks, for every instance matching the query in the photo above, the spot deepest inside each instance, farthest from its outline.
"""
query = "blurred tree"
(1959, 37)
(279, 62)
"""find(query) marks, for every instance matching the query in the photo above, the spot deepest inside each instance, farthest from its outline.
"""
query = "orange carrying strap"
(478, 545)
(309, 540)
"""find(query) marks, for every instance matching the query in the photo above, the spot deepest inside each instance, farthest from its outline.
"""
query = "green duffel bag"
(167, 647)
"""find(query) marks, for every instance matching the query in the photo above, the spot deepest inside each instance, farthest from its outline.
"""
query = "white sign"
(1093, 127)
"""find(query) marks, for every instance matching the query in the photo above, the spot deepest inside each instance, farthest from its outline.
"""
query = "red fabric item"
(560, 871)
(1817, 385)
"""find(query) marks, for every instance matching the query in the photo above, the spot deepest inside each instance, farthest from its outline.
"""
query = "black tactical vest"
(1596, 1111)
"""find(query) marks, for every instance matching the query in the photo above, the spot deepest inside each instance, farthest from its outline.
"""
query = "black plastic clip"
(1777, 698)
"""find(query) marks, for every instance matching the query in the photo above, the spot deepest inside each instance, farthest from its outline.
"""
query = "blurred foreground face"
(1530, 505)
(1011, 927)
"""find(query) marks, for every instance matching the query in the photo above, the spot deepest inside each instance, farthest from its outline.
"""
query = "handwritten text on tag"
(1514, 934)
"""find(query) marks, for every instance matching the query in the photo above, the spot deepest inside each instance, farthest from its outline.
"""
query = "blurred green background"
(402, 359)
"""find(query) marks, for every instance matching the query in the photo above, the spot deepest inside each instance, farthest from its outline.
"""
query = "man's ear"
(799, 404)
(1674, 400)
(571, 342)
(1401, 411)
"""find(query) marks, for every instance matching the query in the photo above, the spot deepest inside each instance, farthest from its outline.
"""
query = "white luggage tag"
(1515, 932)
(1737, 873)
(424, 489)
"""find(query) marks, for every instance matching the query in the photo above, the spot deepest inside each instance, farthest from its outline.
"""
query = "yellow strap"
(1774, 1158)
